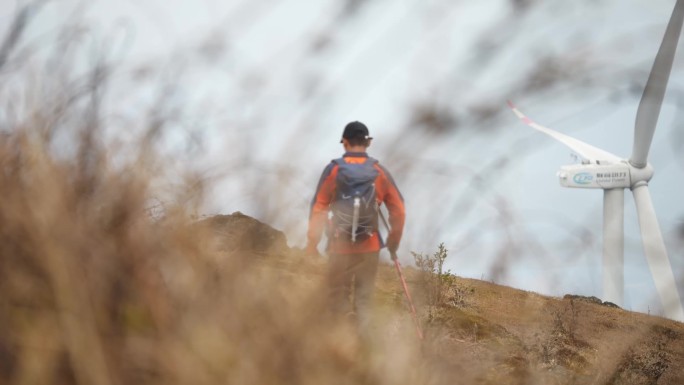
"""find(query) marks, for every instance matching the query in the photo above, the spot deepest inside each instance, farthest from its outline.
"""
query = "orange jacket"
(387, 193)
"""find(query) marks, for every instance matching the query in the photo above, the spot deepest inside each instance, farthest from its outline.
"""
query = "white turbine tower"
(602, 170)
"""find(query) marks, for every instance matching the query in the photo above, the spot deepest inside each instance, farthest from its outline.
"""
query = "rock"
(239, 232)
(590, 299)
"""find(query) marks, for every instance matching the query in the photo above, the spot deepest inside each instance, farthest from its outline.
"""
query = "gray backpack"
(355, 207)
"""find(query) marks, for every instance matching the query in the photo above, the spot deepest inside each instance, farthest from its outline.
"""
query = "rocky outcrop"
(240, 233)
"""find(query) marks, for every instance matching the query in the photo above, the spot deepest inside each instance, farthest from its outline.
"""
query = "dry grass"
(95, 291)
(500, 335)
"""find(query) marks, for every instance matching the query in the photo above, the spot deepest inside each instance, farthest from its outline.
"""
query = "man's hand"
(392, 247)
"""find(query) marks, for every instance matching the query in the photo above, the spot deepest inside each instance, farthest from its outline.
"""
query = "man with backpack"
(352, 188)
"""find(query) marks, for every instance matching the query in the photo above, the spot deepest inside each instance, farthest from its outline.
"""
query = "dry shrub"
(439, 288)
(433, 278)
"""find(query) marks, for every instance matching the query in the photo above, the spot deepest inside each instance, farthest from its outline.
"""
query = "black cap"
(355, 130)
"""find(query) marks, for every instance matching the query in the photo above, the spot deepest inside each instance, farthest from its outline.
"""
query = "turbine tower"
(602, 170)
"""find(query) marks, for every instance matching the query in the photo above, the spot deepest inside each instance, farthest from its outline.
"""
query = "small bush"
(434, 280)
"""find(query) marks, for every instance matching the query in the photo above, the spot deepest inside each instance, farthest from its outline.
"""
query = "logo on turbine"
(583, 178)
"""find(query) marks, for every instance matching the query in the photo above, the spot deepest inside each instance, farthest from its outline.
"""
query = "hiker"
(352, 188)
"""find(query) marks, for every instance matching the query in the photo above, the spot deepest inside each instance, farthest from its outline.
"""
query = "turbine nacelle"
(603, 175)
(595, 176)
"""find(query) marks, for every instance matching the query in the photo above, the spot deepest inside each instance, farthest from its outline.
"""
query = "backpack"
(355, 206)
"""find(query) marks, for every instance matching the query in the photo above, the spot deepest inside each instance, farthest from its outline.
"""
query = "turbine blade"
(654, 92)
(585, 150)
(656, 254)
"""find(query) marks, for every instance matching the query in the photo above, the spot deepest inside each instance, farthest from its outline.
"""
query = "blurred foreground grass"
(94, 290)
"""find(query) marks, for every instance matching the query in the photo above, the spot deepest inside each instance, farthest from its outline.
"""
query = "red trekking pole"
(393, 254)
(408, 296)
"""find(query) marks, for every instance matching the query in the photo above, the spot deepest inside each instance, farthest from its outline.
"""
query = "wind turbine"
(602, 170)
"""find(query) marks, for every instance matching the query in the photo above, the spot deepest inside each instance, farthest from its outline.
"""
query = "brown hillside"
(487, 333)
(106, 296)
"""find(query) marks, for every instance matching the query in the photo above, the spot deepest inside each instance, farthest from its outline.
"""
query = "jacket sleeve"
(394, 201)
(320, 205)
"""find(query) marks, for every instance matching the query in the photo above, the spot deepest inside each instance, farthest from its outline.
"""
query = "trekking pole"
(393, 255)
(408, 296)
